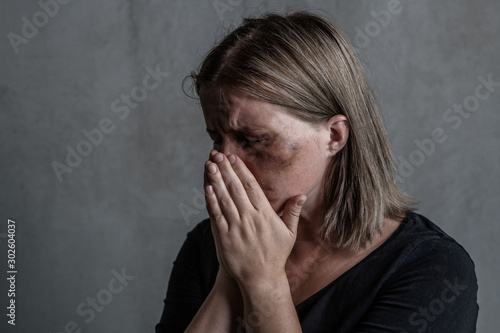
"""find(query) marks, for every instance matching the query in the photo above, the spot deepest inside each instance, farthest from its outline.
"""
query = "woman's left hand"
(253, 242)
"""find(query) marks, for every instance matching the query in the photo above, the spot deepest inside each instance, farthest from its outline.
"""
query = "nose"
(229, 146)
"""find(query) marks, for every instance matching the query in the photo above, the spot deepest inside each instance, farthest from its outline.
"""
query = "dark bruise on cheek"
(279, 156)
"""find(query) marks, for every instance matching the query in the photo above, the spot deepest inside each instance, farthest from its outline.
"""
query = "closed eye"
(244, 139)
(254, 140)
(250, 142)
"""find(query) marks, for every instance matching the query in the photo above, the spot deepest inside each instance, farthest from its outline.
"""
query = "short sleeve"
(433, 290)
(191, 279)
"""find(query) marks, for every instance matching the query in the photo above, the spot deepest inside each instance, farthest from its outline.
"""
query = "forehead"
(234, 110)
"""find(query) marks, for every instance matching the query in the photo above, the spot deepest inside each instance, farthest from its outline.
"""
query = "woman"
(308, 231)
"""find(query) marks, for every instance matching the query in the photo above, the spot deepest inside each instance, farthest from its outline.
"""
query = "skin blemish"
(293, 145)
(280, 156)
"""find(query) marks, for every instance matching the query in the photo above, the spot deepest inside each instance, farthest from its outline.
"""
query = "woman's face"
(286, 155)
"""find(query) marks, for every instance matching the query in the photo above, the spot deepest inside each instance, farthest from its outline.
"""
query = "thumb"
(292, 210)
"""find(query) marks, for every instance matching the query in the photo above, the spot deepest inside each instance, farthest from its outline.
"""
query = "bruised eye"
(254, 140)
(248, 142)
(245, 140)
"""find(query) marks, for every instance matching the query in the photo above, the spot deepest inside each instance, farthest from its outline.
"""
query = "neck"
(307, 242)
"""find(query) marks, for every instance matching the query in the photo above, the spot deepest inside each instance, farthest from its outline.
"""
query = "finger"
(233, 183)
(212, 153)
(205, 177)
(250, 184)
(291, 213)
(206, 181)
(216, 237)
(217, 219)
(216, 228)
(224, 200)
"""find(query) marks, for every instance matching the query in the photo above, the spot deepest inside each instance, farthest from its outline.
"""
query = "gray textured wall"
(120, 206)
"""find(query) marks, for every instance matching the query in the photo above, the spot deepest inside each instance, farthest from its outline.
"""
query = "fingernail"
(218, 158)
(212, 168)
(209, 190)
(300, 203)
(231, 158)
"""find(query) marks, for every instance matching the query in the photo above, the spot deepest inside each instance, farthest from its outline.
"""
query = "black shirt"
(418, 280)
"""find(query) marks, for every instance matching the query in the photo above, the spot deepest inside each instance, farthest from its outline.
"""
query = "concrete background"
(121, 206)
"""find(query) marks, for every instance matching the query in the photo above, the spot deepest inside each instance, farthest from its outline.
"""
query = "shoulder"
(198, 257)
(199, 241)
(198, 245)
(420, 240)
(425, 277)
(201, 230)
(420, 249)
(435, 265)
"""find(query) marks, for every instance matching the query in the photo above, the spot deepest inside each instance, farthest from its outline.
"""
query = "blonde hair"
(303, 63)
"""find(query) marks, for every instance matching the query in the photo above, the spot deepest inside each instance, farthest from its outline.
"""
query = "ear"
(338, 127)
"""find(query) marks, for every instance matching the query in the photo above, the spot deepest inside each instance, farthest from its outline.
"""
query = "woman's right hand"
(220, 311)
(224, 279)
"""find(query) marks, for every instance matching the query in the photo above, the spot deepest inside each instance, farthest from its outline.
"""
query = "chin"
(278, 206)
(277, 203)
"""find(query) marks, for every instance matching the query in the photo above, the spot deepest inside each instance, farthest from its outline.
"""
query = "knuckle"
(251, 185)
(214, 179)
(237, 189)
(217, 216)
(225, 202)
